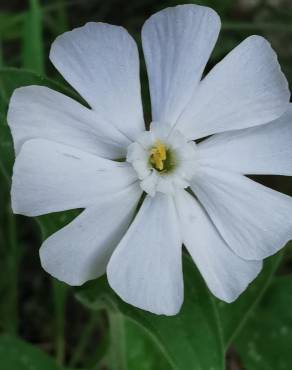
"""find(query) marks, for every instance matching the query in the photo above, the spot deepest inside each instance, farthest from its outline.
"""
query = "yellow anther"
(158, 155)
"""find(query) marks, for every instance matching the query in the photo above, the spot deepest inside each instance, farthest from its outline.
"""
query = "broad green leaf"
(233, 316)
(189, 340)
(266, 341)
(32, 42)
(16, 354)
(131, 347)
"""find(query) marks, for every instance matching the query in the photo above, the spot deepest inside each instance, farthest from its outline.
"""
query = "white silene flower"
(196, 194)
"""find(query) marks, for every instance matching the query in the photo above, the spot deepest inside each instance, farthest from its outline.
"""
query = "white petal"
(266, 149)
(81, 250)
(247, 88)
(136, 152)
(145, 269)
(101, 62)
(177, 43)
(254, 220)
(39, 112)
(142, 168)
(149, 183)
(50, 177)
(226, 274)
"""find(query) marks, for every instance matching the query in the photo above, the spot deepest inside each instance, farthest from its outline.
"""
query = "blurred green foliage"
(265, 342)
(46, 325)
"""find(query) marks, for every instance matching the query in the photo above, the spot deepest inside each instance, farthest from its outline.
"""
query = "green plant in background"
(46, 324)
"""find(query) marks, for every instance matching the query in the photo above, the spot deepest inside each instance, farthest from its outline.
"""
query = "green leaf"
(32, 42)
(265, 342)
(233, 316)
(131, 347)
(16, 354)
(189, 340)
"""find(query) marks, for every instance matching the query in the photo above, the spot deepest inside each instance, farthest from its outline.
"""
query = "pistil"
(158, 155)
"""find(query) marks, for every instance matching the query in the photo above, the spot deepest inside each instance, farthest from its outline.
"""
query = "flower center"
(161, 158)
(158, 155)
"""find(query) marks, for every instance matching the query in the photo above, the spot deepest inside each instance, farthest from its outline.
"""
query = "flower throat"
(161, 158)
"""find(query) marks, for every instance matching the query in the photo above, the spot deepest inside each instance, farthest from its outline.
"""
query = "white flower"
(66, 158)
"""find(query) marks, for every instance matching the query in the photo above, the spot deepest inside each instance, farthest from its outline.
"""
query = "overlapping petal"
(266, 149)
(39, 112)
(101, 62)
(177, 43)
(246, 89)
(254, 220)
(146, 268)
(81, 250)
(226, 274)
(51, 177)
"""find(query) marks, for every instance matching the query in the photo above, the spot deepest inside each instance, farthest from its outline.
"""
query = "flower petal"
(39, 112)
(226, 274)
(247, 88)
(146, 268)
(51, 177)
(101, 62)
(266, 149)
(177, 43)
(254, 220)
(81, 250)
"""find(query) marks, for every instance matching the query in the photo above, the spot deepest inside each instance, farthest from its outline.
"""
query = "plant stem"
(83, 340)
(60, 291)
(117, 340)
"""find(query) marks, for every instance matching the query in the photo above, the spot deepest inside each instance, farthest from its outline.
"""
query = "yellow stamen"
(158, 155)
